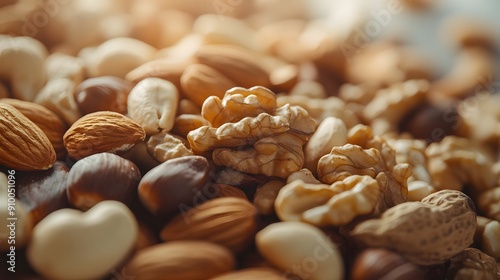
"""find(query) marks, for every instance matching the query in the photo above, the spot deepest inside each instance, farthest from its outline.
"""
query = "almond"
(239, 65)
(228, 221)
(52, 125)
(223, 190)
(180, 260)
(103, 131)
(260, 273)
(23, 145)
(200, 81)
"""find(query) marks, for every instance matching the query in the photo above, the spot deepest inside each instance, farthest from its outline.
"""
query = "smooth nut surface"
(105, 93)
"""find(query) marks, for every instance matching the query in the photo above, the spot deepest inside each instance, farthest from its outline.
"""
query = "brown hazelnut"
(173, 184)
(102, 176)
(103, 94)
(43, 192)
(375, 264)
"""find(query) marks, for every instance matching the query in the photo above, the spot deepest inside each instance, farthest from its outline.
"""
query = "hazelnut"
(102, 176)
(374, 264)
(103, 94)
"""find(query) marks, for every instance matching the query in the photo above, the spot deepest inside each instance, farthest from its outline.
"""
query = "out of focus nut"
(58, 249)
(227, 221)
(471, 263)
(153, 104)
(102, 131)
(105, 93)
(173, 184)
(102, 176)
(425, 233)
(489, 203)
(181, 260)
(60, 65)
(262, 273)
(321, 204)
(57, 96)
(491, 239)
(373, 264)
(265, 196)
(293, 246)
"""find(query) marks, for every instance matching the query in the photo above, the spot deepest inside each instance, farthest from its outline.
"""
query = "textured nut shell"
(180, 260)
(69, 244)
(260, 273)
(46, 120)
(23, 145)
(163, 146)
(238, 64)
(471, 263)
(427, 232)
(102, 131)
(228, 221)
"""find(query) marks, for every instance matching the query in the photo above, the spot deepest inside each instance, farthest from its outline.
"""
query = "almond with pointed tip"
(23, 145)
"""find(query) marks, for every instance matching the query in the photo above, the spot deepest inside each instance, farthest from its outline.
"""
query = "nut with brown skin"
(471, 263)
(102, 176)
(227, 221)
(261, 273)
(173, 184)
(104, 93)
(376, 264)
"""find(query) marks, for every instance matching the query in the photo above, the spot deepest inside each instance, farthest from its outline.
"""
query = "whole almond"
(23, 145)
(100, 132)
(180, 260)
(200, 81)
(51, 125)
(260, 273)
(238, 64)
(228, 221)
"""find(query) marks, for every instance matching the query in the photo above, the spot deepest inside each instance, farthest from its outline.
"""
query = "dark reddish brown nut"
(472, 264)
(102, 176)
(375, 264)
(432, 122)
(223, 190)
(43, 192)
(103, 94)
(173, 184)
(146, 236)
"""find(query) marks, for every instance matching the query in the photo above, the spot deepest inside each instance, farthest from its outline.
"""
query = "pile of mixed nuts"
(191, 140)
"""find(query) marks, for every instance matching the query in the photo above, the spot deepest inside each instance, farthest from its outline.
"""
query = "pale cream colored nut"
(481, 115)
(305, 175)
(471, 263)
(63, 66)
(118, 56)
(360, 94)
(489, 203)
(417, 190)
(183, 51)
(456, 161)
(330, 133)
(219, 29)
(349, 159)
(153, 104)
(238, 64)
(491, 239)
(321, 204)
(295, 247)
(184, 123)
(22, 65)
(198, 82)
(427, 232)
(159, 68)
(284, 45)
(16, 232)
(320, 108)
(237, 104)
(393, 103)
(164, 146)
(57, 96)
(465, 77)
(189, 260)
(412, 151)
(58, 249)
(312, 89)
(265, 196)
(285, 77)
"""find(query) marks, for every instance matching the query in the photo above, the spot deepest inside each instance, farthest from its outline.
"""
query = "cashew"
(57, 96)
(22, 65)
